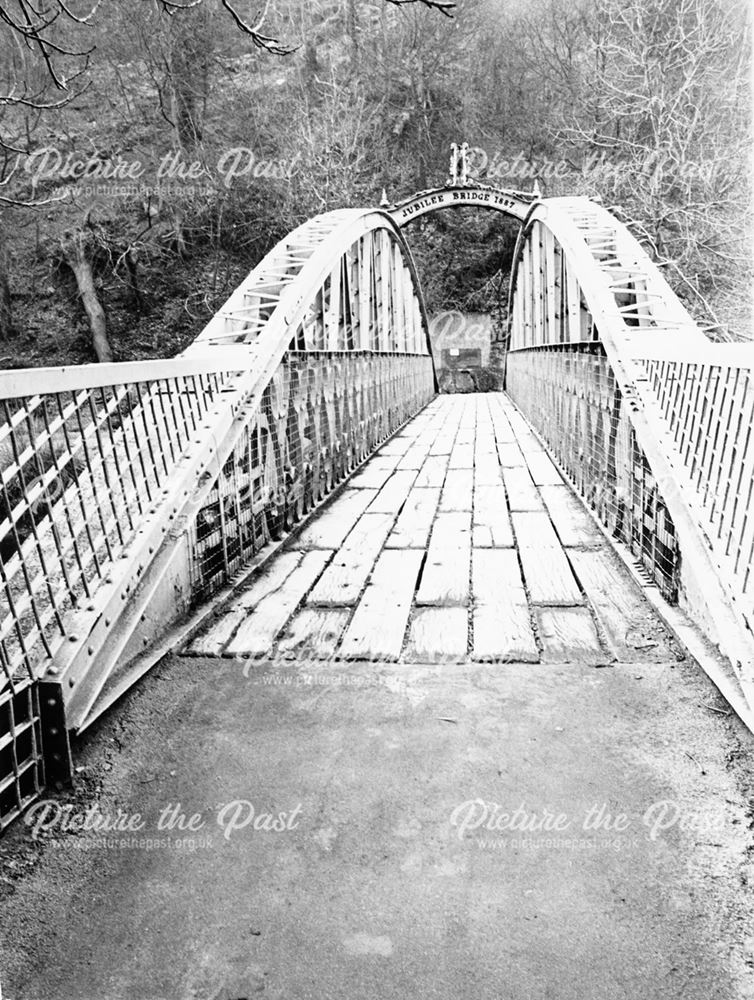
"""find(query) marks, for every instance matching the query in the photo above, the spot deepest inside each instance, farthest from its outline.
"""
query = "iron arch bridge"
(132, 493)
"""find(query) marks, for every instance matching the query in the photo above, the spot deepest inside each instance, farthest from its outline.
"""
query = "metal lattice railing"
(22, 772)
(82, 468)
(321, 415)
(573, 399)
(130, 491)
(707, 406)
(652, 422)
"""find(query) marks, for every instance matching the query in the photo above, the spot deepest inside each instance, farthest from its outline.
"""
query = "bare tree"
(6, 315)
(662, 118)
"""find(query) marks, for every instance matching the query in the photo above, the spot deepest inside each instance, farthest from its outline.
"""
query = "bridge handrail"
(119, 458)
(17, 383)
(652, 343)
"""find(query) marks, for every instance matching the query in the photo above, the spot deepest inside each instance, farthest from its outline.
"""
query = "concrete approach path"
(465, 790)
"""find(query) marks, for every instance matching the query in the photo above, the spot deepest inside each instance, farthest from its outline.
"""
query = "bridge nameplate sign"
(515, 203)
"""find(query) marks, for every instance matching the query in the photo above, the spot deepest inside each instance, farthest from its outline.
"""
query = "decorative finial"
(453, 175)
(384, 200)
(464, 163)
(459, 165)
(535, 190)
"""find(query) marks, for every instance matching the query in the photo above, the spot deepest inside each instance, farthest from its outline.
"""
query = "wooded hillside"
(155, 150)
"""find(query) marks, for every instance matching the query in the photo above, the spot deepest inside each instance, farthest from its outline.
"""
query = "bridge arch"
(135, 489)
(622, 385)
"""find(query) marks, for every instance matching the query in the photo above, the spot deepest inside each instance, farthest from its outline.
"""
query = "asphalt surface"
(486, 832)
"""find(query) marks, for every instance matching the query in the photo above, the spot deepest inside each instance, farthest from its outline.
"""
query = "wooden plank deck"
(459, 541)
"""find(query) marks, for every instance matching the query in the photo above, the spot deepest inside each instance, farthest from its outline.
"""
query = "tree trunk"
(190, 52)
(352, 30)
(6, 314)
(77, 249)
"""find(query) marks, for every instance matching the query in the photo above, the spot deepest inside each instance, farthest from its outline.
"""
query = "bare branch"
(444, 6)
(261, 41)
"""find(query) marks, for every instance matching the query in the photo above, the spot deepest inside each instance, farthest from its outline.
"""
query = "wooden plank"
(377, 472)
(445, 578)
(270, 579)
(412, 528)
(633, 631)
(432, 473)
(379, 622)
(393, 494)
(313, 633)
(397, 445)
(256, 634)
(522, 493)
(414, 457)
(496, 577)
(457, 492)
(502, 626)
(451, 529)
(573, 523)
(344, 578)
(511, 456)
(503, 430)
(487, 471)
(462, 456)
(438, 635)
(443, 443)
(547, 571)
(336, 520)
(534, 530)
(569, 635)
(542, 470)
(491, 520)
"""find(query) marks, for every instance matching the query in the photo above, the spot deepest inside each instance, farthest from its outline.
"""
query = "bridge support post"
(56, 745)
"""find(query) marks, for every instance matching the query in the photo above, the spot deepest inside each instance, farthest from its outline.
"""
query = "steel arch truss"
(650, 420)
(131, 491)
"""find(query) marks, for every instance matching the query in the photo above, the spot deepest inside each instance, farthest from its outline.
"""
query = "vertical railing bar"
(139, 449)
(184, 421)
(37, 541)
(114, 451)
(79, 493)
(53, 524)
(716, 374)
(92, 477)
(165, 430)
(13, 754)
(64, 500)
(105, 470)
(147, 435)
(123, 434)
(724, 448)
(12, 604)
